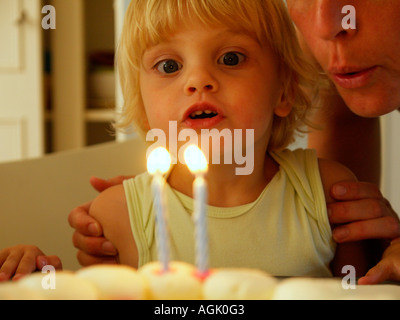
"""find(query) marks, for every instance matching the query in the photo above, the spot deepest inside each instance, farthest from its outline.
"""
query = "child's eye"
(168, 66)
(232, 58)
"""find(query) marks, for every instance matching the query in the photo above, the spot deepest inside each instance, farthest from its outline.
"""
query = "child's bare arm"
(111, 211)
(18, 261)
(352, 253)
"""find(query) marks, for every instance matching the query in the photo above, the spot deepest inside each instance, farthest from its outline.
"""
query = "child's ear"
(283, 107)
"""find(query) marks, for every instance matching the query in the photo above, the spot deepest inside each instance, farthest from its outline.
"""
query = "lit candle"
(197, 163)
(158, 163)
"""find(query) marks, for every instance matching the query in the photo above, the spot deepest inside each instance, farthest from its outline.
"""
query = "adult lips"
(352, 78)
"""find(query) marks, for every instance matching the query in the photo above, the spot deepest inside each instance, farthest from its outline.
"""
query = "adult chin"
(370, 103)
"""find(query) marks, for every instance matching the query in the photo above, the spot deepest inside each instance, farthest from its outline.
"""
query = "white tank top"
(285, 232)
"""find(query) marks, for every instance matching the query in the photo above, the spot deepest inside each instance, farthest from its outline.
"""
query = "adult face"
(364, 63)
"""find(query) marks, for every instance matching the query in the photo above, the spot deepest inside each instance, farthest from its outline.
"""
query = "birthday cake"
(182, 282)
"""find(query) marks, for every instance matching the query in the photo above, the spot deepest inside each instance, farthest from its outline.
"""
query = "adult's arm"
(362, 212)
(347, 138)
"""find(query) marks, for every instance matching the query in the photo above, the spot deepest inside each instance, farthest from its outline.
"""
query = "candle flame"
(159, 160)
(195, 159)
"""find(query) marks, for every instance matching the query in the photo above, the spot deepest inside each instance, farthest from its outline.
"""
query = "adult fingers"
(381, 228)
(103, 184)
(42, 261)
(388, 269)
(97, 246)
(355, 190)
(375, 275)
(85, 259)
(364, 209)
(80, 220)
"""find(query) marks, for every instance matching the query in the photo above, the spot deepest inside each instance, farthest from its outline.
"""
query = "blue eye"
(232, 58)
(168, 66)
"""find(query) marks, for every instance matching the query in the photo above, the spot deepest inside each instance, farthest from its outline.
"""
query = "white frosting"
(239, 284)
(67, 286)
(374, 292)
(182, 283)
(179, 283)
(116, 282)
(331, 289)
(12, 291)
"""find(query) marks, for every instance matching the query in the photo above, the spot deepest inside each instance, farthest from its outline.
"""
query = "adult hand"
(388, 269)
(88, 238)
(361, 213)
(102, 184)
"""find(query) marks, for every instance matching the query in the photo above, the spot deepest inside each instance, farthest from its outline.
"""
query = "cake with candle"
(179, 282)
(239, 284)
(183, 282)
(116, 282)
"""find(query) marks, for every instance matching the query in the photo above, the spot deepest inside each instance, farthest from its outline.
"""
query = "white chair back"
(37, 195)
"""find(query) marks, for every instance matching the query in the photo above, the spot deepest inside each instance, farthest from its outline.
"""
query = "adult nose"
(200, 80)
(328, 18)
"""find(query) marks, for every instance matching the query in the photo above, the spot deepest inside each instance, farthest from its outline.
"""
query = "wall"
(391, 159)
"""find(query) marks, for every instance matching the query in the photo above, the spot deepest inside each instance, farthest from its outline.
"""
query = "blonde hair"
(147, 22)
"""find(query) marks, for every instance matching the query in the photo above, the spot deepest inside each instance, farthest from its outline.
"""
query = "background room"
(58, 98)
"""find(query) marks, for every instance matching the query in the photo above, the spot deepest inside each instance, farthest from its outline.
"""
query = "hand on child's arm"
(103, 184)
(88, 237)
(388, 269)
(352, 253)
(18, 261)
(362, 212)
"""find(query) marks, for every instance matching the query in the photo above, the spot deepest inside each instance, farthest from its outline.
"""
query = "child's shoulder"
(111, 211)
(331, 173)
(115, 196)
(108, 204)
(110, 197)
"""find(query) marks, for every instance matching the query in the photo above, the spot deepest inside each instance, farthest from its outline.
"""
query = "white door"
(21, 80)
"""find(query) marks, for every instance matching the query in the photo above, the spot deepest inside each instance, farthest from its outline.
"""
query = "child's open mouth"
(207, 114)
(202, 115)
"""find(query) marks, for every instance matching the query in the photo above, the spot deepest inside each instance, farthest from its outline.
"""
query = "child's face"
(212, 77)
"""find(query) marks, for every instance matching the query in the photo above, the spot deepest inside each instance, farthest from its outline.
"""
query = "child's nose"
(200, 81)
